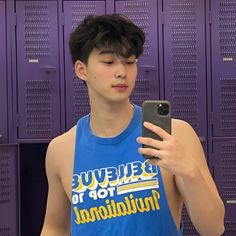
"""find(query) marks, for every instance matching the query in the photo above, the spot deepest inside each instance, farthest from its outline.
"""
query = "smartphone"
(157, 112)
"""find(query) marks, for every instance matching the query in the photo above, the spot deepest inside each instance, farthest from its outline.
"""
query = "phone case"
(152, 113)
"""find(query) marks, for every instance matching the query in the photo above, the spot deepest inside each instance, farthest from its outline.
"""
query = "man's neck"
(110, 120)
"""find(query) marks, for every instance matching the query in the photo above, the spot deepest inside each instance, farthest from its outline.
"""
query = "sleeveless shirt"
(114, 190)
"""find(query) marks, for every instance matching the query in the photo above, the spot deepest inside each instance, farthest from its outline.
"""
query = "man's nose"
(121, 70)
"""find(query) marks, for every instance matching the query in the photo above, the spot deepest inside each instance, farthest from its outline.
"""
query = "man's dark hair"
(114, 32)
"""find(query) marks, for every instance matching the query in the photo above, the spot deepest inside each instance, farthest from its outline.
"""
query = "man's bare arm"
(182, 155)
(57, 217)
(198, 189)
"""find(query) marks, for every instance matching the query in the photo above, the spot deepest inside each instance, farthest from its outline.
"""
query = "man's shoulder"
(178, 124)
(185, 133)
(65, 137)
(63, 142)
(60, 151)
(182, 129)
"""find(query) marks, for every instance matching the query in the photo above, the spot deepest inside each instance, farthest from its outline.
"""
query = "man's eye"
(130, 62)
(108, 62)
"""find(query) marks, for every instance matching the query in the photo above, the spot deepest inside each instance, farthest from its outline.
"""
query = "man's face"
(109, 76)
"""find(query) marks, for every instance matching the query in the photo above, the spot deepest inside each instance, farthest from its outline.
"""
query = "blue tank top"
(114, 190)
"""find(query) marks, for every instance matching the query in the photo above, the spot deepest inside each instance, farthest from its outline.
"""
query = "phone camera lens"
(163, 109)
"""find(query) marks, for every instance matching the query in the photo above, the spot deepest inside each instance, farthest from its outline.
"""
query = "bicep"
(57, 217)
(194, 149)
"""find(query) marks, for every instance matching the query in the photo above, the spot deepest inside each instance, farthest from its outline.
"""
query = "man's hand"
(171, 154)
(182, 155)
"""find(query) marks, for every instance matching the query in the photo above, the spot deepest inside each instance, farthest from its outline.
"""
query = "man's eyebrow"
(111, 52)
(106, 52)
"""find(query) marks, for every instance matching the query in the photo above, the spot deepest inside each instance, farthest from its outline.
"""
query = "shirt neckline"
(117, 139)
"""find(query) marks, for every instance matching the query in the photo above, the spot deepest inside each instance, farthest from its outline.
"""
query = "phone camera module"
(163, 109)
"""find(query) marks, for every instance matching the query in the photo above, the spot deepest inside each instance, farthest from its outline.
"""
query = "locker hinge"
(210, 17)
(17, 120)
(162, 18)
(63, 19)
(212, 118)
(15, 19)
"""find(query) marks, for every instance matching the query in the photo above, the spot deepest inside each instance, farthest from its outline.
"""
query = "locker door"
(144, 14)
(184, 68)
(184, 61)
(37, 69)
(224, 153)
(3, 76)
(224, 67)
(77, 102)
(9, 207)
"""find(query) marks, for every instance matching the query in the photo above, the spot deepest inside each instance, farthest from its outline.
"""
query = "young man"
(99, 182)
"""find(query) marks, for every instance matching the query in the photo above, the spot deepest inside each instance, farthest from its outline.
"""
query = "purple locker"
(224, 67)
(224, 159)
(9, 202)
(189, 229)
(3, 77)
(184, 68)
(184, 61)
(37, 69)
(144, 14)
(77, 102)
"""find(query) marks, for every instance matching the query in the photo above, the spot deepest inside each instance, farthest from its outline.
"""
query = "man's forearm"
(204, 205)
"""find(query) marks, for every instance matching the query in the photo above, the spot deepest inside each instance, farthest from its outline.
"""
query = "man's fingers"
(150, 142)
(157, 130)
(150, 152)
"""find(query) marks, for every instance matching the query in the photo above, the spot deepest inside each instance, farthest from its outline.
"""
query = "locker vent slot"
(142, 91)
(227, 26)
(80, 11)
(228, 167)
(36, 31)
(230, 228)
(5, 179)
(184, 56)
(81, 101)
(228, 105)
(5, 231)
(38, 107)
(188, 226)
(138, 13)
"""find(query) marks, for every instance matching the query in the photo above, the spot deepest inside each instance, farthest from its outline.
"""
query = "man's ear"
(80, 70)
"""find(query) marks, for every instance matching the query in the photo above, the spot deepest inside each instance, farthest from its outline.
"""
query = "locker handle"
(202, 139)
(48, 68)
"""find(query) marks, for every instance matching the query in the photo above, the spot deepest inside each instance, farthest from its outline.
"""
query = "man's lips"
(120, 87)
